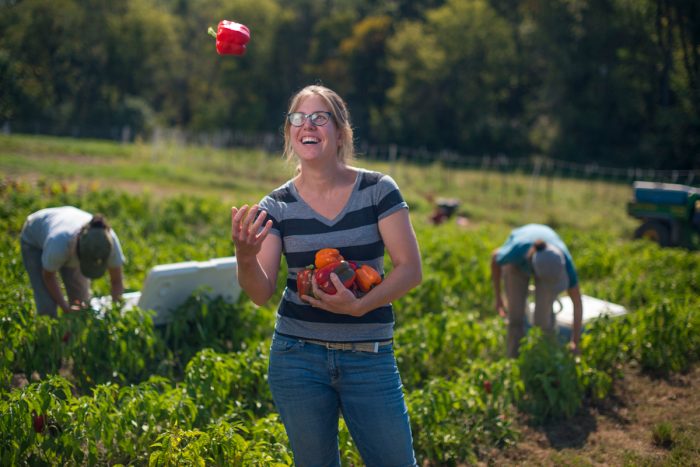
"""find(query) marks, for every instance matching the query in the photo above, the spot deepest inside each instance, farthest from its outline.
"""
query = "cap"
(94, 248)
(549, 266)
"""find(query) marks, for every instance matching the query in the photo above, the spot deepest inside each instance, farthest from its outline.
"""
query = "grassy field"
(238, 176)
(170, 202)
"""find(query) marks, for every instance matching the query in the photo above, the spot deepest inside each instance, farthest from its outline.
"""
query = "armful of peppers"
(359, 279)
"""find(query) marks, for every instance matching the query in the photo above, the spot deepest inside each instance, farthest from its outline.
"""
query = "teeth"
(309, 140)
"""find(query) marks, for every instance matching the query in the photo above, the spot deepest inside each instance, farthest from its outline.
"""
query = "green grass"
(244, 176)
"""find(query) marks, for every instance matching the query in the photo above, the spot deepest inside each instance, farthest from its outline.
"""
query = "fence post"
(393, 150)
(485, 163)
(536, 169)
(550, 180)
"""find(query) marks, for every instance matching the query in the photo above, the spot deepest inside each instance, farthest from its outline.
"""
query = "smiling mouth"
(309, 140)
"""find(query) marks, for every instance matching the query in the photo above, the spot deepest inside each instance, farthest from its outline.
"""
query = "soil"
(645, 421)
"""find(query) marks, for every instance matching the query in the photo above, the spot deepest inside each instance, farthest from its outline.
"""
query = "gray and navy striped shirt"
(355, 233)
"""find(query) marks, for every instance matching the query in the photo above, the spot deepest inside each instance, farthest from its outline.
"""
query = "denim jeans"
(312, 385)
(516, 285)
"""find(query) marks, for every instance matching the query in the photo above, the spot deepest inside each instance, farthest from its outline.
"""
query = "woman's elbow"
(258, 302)
(256, 294)
(417, 277)
(259, 299)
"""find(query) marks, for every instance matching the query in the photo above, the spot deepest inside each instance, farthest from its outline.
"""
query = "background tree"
(453, 80)
(615, 82)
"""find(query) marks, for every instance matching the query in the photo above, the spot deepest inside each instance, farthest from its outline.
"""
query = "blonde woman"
(332, 354)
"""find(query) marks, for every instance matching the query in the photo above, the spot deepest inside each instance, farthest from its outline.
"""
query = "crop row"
(114, 389)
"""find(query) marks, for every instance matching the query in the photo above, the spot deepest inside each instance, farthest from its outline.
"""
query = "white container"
(563, 310)
(168, 286)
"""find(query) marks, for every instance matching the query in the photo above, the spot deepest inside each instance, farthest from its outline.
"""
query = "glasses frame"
(311, 117)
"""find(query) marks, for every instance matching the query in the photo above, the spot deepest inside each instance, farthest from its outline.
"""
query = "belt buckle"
(372, 347)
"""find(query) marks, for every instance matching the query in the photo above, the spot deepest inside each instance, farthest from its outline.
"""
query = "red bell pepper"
(231, 37)
(327, 256)
(39, 422)
(304, 286)
(367, 277)
(342, 269)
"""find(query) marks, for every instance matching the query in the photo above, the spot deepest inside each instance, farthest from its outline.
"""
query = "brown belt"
(351, 346)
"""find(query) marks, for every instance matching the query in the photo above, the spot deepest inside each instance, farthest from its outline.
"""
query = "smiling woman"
(356, 213)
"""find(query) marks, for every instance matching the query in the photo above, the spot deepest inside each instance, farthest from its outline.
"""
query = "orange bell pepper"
(326, 256)
(366, 277)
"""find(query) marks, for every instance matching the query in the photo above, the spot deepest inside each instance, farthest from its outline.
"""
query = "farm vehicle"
(670, 213)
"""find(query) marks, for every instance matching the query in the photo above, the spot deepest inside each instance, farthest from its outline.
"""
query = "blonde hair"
(341, 118)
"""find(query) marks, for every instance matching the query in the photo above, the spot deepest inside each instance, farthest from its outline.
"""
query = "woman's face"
(312, 142)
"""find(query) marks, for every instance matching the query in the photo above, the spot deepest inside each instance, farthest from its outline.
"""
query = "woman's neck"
(324, 179)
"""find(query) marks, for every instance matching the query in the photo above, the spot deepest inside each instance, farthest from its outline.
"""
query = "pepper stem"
(211, 32)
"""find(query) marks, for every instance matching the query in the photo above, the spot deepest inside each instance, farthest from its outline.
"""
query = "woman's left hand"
(343, 302)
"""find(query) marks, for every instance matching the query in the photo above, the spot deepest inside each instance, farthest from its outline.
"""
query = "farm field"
(119, 391)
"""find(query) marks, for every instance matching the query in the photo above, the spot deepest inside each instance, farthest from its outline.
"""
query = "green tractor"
(670, 213)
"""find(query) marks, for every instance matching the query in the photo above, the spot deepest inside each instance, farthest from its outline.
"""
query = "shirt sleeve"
(571, 271)
(116, 257)
(274, 213)
(56, 253)
(512, 253)
(389, 198)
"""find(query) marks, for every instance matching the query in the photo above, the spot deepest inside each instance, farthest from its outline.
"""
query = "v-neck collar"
(341, 213)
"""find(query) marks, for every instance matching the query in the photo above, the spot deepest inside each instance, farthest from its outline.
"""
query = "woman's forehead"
(312, 103)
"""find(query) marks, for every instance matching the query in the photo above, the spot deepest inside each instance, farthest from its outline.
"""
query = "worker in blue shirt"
(534, 250)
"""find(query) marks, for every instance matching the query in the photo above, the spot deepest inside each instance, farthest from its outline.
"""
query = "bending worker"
(534, 250)
(77, 245)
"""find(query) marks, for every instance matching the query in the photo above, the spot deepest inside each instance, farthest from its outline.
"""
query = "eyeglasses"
(317, 118)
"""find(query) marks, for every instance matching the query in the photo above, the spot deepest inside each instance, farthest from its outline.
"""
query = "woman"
(331, 354)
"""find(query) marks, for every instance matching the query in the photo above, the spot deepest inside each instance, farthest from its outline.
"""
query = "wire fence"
(391, 153)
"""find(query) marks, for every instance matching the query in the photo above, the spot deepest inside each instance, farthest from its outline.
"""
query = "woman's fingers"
(236, 216)
(258, 223)
(246, 224)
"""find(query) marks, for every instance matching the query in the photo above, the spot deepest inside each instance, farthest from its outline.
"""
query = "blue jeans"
(312, 386)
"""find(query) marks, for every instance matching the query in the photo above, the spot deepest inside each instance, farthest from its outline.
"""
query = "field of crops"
(83, 390)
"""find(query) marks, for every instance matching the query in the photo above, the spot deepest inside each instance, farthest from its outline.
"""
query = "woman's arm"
(51, 281)
(575, 295)
(116, 282)
(496, 270)
(258, 254)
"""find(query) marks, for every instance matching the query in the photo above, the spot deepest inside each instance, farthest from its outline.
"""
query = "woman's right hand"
(245, 229)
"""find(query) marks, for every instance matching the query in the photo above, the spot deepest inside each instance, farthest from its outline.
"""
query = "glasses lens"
(319, 118)
(296, 118)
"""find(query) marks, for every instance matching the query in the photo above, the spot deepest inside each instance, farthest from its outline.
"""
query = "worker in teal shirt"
(534, 250)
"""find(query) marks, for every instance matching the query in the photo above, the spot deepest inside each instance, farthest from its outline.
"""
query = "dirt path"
(622, 431)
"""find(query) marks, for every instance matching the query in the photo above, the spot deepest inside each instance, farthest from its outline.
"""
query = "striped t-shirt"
(355, 233)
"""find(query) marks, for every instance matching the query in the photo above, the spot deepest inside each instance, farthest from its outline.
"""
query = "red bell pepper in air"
(231, 37)
(342, 269)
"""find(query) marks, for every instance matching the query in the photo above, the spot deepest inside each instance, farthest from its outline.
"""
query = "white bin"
(168, 286)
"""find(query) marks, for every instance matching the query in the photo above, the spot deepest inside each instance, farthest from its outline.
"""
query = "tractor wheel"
(655, 231)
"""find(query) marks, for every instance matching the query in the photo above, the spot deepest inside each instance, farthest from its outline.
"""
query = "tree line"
(615, 82)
